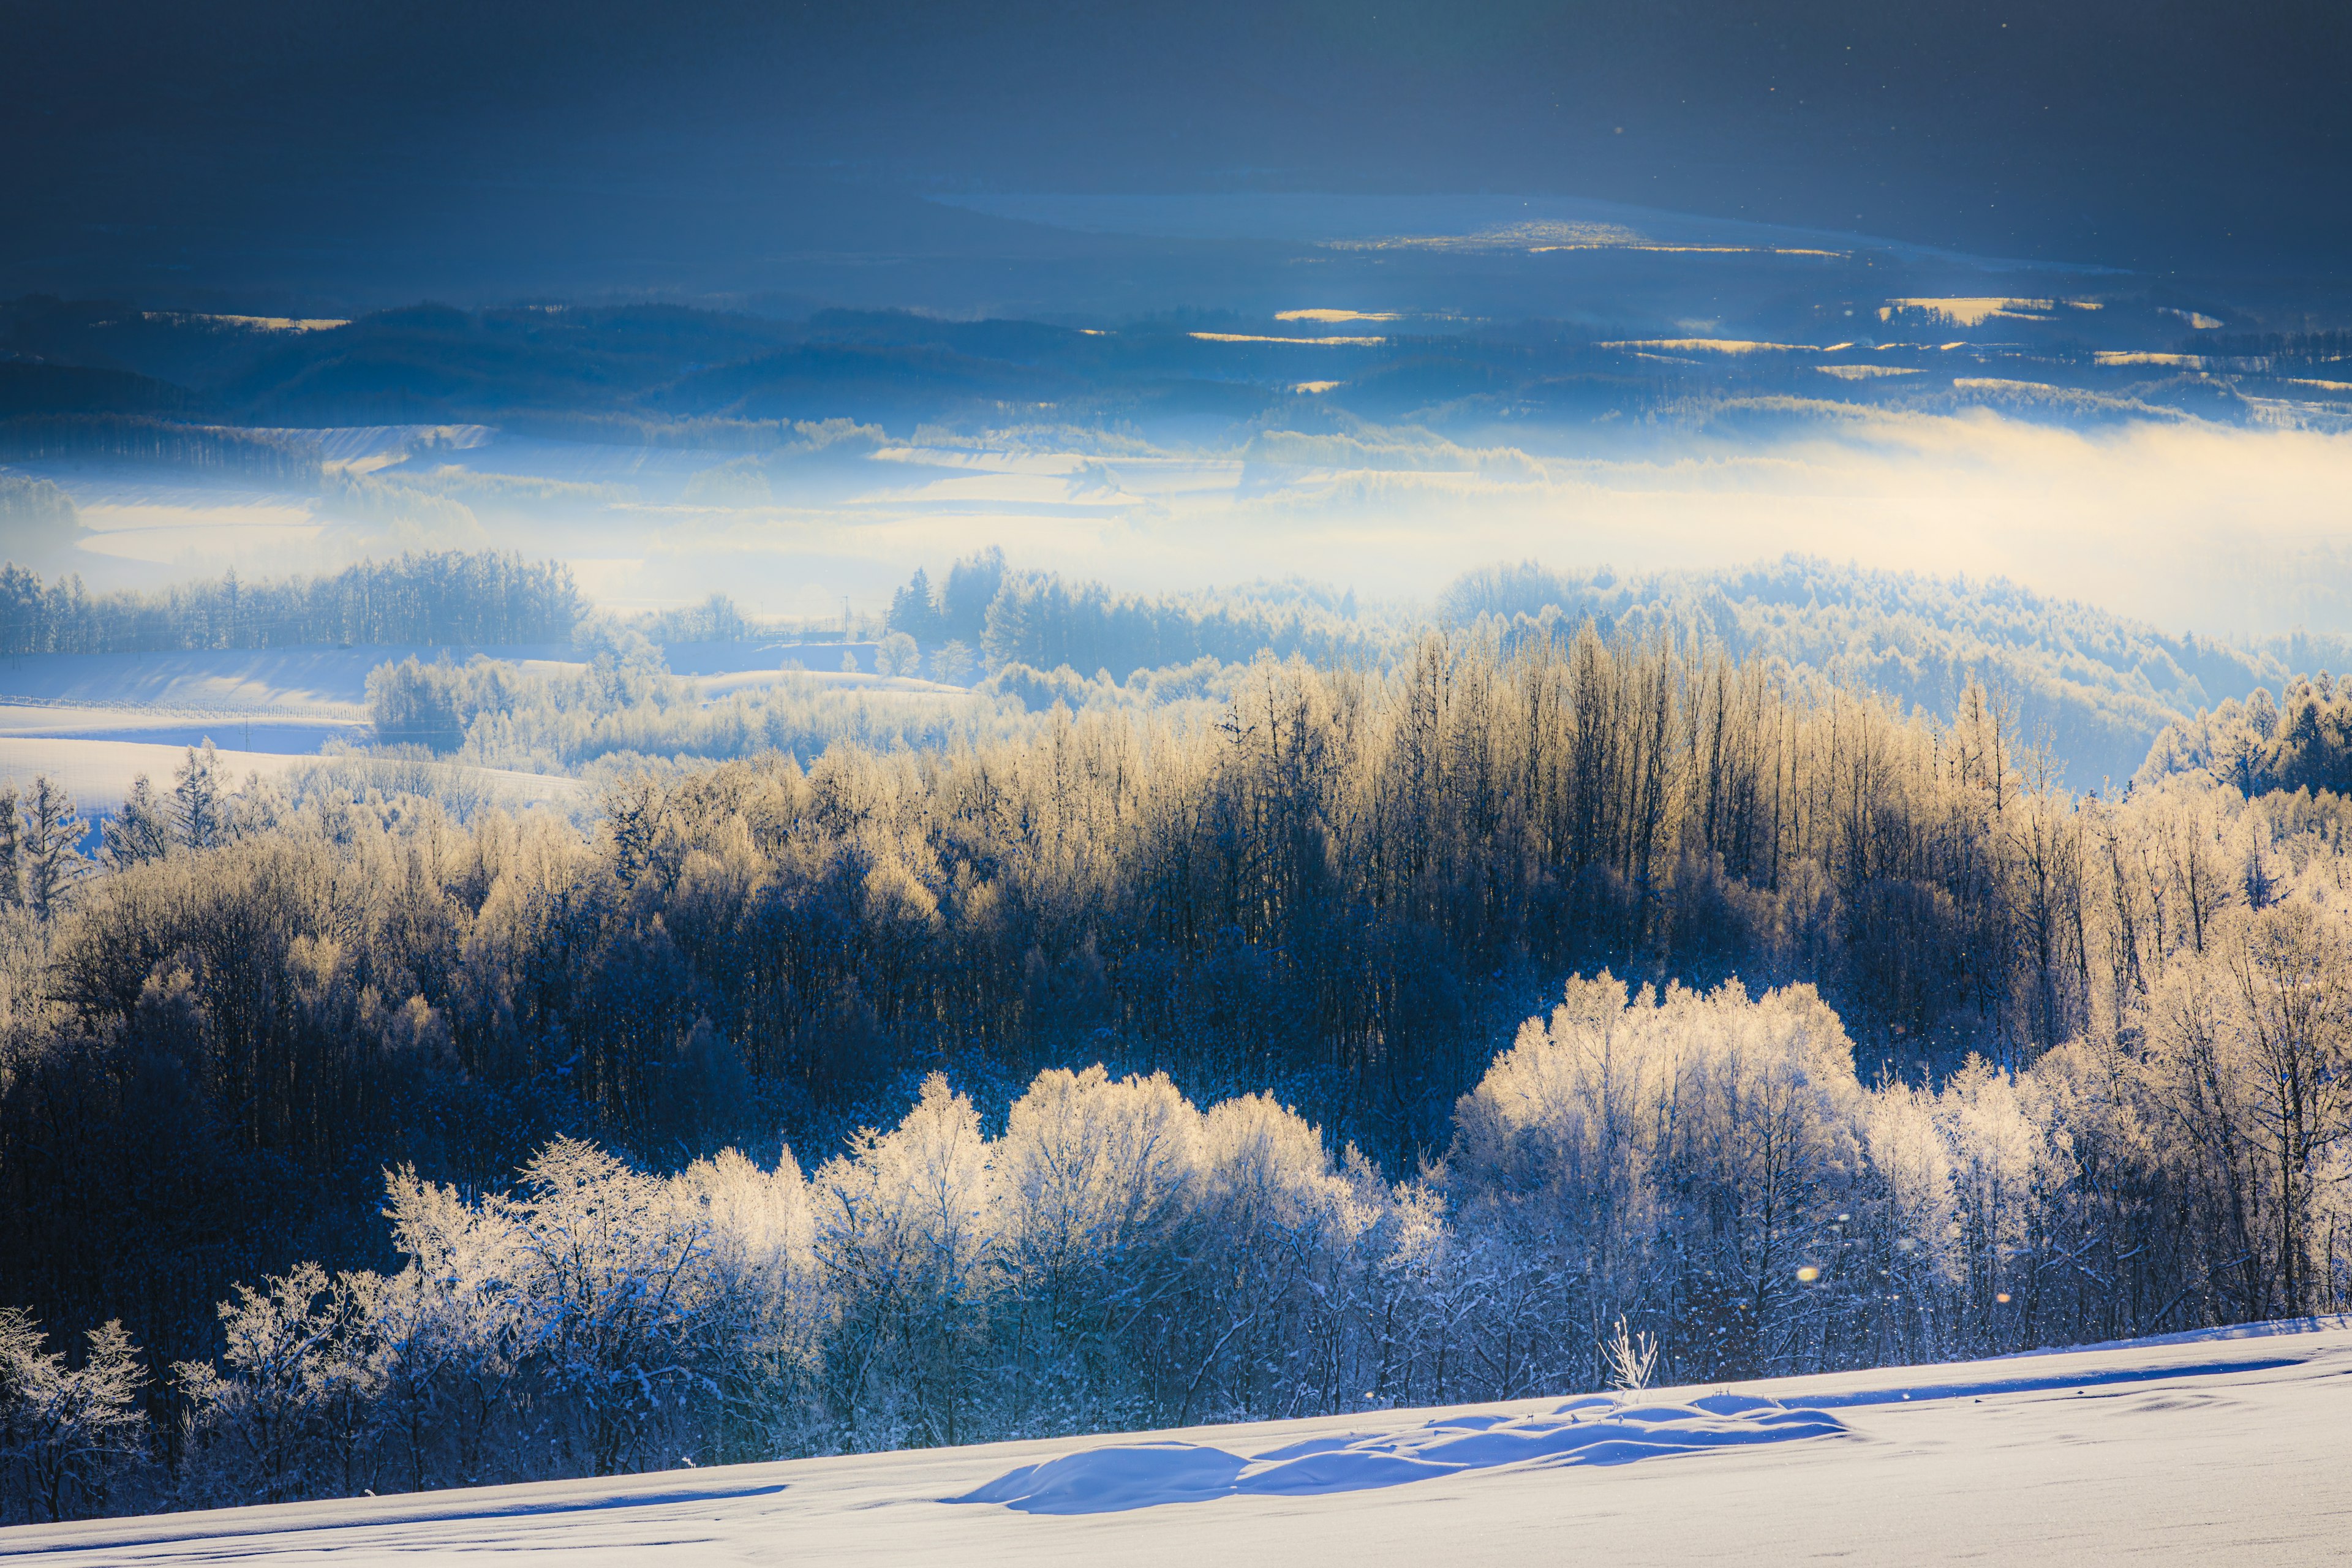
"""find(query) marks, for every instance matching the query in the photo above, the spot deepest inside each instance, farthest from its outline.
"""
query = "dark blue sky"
(2157, 133)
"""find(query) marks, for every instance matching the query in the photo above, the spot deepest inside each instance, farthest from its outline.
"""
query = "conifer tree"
(53, 860)
(141, 831)
(199, 803)
(11, 849)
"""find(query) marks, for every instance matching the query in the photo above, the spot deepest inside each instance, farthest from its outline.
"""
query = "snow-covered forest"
(439, 596)
(1492, 777)
(765, 1116)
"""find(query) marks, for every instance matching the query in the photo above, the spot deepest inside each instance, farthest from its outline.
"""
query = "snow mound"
(1582, 1432)
(1106, 1480)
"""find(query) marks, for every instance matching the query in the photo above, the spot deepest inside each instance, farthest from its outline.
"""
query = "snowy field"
(2220, 1448)
(93, 722)
(98, 773)
(327, 683)
(71, 695)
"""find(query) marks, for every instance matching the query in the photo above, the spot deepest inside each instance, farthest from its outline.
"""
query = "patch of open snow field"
(277, 733)
(193, 534)
(94, 722)
(324, 682)
(2224, 1446)
(716, 688)
(99, 772)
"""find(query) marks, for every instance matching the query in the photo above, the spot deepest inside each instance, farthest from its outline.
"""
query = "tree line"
(2298, 348)
(1038, 620)
(2003, 1065)
(1705, 1165)
(621, 709)
(259, 455)
(436, 597)
(33, 508)
(2094, 688)
(2300, 740)
(2097, 686)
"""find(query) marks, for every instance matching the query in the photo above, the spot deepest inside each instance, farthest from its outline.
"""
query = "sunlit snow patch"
(1972, 311)
(1589, 1431)
(1328, 317)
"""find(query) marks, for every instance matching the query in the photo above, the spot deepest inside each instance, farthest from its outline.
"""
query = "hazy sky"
(2147, 132)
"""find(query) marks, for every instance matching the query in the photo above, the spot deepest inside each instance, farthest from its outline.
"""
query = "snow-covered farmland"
(2222, 1447)
(99, 773)
(325, 683)
(93, 722)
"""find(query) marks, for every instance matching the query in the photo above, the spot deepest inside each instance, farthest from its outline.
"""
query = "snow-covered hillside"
(324, 684)
(2224, 1446)
(92, 723)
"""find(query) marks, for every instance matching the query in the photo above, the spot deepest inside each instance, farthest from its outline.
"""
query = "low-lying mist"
(2195, 526)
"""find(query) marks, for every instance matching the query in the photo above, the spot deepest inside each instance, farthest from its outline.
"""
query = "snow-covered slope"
(92, 723)
(99, 773)
(2220, 1448)
(327, 684)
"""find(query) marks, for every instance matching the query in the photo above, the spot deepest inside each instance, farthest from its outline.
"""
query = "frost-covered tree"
(287, 1413)
(761, 1284)
(914, 610)
(11, 850)
(607, 1265)
(199, 799)
(139, 832)
(69, 1435)
(2251, 1047)
(1681, 1155)
(49, 847)
(1097, 1184)
(901, 1234)
(953, 663)
(1286, 1246)
(897, 655)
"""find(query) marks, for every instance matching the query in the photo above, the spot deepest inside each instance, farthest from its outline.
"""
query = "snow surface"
(277, 732)
(2220, 1448)
(1591, 1430)
(328, 683)
(94, 721)
(99, 773)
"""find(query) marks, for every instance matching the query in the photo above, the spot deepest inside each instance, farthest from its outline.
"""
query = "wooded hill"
(2071, 1068)
(440, 597)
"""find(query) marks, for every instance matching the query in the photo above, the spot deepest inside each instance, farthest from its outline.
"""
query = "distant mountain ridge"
(34, 386)
(2119, 359)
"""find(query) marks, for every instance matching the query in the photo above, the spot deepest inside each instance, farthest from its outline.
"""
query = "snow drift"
(1592, 1430)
